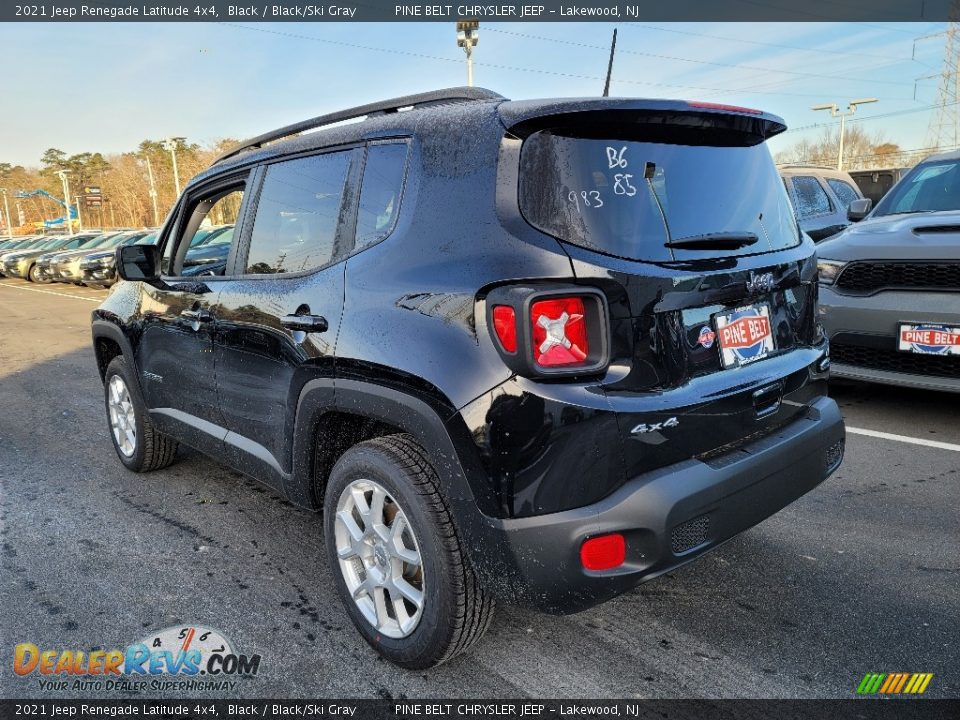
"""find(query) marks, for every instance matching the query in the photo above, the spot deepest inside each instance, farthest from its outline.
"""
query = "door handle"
(198, 316)
(305, 323)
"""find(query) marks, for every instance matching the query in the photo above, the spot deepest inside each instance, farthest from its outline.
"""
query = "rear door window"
(628, 198)
(812, 199)
(298, 214)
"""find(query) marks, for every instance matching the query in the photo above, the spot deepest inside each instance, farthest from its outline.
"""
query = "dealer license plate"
(744, 335)
(929, 339)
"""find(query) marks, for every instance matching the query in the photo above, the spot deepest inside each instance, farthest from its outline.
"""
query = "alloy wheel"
(379, 558)
(122, 416)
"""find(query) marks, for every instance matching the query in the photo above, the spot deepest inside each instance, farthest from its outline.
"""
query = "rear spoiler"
(693, 123)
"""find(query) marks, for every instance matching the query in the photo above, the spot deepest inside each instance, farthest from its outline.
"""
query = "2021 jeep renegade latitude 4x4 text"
(536, 352)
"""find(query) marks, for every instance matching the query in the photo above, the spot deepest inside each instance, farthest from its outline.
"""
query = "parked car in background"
(874, 184)
(66, 266)
(29, 259)
(98, 268)
(209, 253)
(820, 198)
(11, 244)
(46, 262)
(890, 285)
(8, 244)
(21, 244)
(20, 263)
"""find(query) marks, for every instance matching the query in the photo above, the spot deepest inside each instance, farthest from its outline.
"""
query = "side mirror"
(138, 262)
(858, 209)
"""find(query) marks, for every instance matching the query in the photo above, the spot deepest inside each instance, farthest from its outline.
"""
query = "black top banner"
(899, 11)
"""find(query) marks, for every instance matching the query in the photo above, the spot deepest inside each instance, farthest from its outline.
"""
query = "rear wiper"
(714, 241)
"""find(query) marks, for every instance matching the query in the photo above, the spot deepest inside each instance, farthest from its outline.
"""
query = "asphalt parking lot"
(861, 575)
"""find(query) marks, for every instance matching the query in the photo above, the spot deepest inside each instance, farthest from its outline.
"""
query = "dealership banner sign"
(899, 11)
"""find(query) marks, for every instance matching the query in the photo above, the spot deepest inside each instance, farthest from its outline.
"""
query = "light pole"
(6, 213)
(835, 112)
(468, 35)
(66, 198)
(79, 216)
(171, 144)
(153, 194)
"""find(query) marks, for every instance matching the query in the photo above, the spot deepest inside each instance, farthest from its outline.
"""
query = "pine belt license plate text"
(744, 335)
(929, 339)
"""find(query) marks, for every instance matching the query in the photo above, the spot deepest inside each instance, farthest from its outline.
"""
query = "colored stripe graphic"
(889, 683)
(894, 683)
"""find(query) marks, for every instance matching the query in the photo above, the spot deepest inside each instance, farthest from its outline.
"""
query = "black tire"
(32, 274)
(152, 450)
(456, 611)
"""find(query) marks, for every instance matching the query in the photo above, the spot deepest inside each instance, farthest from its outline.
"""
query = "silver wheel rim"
(122, 417)
(379, 558)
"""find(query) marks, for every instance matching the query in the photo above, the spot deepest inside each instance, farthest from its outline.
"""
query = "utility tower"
(944, 130)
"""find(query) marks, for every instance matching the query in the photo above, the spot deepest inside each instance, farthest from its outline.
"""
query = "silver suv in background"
(820, 198)
(890, 285)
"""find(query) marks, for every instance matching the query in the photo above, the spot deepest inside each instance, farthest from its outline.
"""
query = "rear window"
(628, 198)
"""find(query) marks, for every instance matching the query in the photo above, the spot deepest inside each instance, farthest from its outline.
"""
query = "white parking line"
(903, 439)
(51, 292)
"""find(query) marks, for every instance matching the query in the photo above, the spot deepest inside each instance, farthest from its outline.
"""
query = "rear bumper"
(669, 516)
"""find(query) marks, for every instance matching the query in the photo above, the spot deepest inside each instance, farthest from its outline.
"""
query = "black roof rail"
(434, 97)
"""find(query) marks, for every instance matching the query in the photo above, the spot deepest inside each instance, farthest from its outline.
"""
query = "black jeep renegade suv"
(535, 351)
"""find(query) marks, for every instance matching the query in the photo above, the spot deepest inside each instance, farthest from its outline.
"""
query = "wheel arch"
(331, 406)
(110, 342)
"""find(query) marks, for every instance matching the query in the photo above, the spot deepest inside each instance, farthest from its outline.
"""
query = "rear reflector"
(603, 552)
(505, 325)
(721, 106)
(559, 332)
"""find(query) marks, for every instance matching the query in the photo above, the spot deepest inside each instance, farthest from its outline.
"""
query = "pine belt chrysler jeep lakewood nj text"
(537, 351)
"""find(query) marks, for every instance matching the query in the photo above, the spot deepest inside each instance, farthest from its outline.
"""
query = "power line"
(737, 66)
(498, 66)
(778, 83)
(819, 51)
(895, 113)
(875, 155)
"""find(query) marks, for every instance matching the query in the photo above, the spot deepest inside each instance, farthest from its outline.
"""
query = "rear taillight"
(505, 325)
(549, 330)
(559, 332)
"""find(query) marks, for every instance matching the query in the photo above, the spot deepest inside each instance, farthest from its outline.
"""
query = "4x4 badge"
(760, 282)
(653, 427)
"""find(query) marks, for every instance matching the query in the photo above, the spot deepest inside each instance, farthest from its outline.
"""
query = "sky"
(105, 87)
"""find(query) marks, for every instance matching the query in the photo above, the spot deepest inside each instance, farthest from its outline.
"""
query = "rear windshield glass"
(628, 198)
